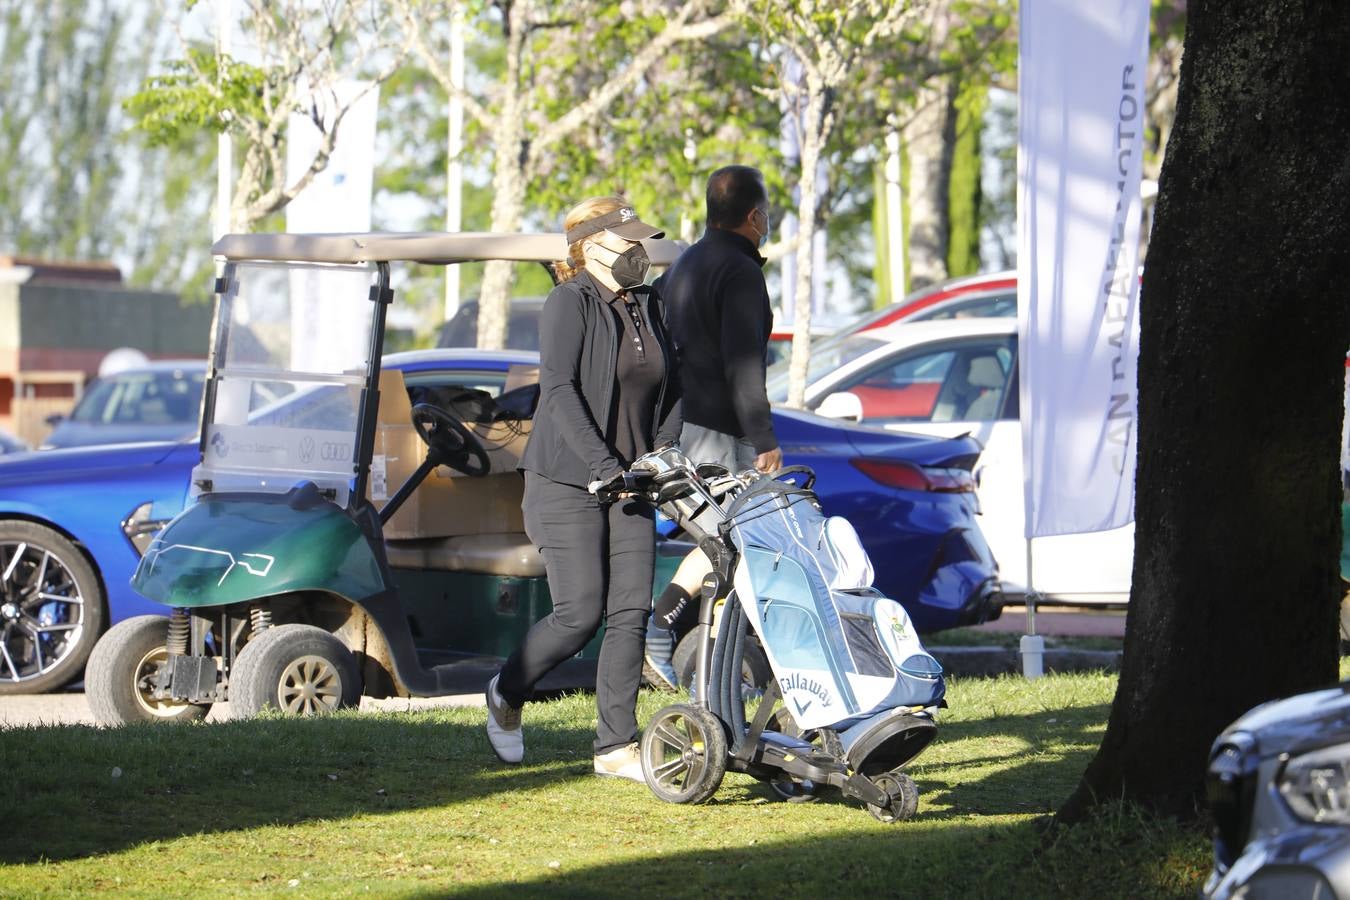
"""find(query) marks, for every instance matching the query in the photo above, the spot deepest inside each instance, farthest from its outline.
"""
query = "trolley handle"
(786, 473)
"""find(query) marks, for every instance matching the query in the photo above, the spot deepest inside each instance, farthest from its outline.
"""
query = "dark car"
(160, 401)
(522, 328)
(1279, 790)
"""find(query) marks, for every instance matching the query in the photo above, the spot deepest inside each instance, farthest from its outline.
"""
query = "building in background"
(58, 321)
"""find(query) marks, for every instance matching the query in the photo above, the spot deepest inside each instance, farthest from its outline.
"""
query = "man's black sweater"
(720, 316)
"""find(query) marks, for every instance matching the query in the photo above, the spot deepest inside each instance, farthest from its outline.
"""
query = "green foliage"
(175, 107)
(963, 198)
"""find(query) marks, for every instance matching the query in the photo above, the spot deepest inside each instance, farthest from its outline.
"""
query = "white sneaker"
(621, 762)
(503, 726)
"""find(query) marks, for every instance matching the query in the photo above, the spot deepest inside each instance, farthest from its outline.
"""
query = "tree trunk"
(814, 131)
(509, 179)
(926, 138)
(1245, 325)
(499, 277)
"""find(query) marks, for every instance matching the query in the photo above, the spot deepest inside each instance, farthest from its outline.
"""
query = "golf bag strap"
(745, 747)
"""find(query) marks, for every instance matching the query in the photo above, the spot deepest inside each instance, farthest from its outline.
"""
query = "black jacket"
(719, 311)
(578, 349)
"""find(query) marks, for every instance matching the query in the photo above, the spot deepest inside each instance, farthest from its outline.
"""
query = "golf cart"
(340, 518)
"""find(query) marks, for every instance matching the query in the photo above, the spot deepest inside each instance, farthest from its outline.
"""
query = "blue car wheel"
(51, 609)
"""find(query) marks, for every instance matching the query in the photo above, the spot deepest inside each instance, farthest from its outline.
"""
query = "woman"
(609, 392)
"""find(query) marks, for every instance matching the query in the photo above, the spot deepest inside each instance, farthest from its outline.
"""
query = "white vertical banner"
(329, 336)
(1080, 142)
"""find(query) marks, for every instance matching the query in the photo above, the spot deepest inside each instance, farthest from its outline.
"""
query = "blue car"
(74, 522)
(160, 401)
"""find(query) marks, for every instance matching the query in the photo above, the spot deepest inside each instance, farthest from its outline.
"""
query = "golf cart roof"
(434, 247)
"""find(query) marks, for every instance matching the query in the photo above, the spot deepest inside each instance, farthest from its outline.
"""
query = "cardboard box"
(447, 503)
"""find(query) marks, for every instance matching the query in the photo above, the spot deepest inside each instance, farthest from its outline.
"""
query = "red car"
(989, 296)
(992, 295)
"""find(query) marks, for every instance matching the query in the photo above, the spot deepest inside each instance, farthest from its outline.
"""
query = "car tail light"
(909, 477)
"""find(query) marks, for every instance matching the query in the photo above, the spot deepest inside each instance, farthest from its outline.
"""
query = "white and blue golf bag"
(845, 656)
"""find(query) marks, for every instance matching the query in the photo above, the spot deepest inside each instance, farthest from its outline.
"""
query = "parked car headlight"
(140, 528)
(1316, 785)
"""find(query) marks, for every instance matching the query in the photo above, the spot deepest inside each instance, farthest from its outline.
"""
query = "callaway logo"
(802, 707)
(626, 215)
(799, 682)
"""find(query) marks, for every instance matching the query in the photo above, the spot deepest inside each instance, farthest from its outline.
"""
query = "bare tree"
(827, 39)
(519, 112)
(303, 51)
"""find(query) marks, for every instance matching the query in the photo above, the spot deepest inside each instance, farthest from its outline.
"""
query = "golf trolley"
(854, 694)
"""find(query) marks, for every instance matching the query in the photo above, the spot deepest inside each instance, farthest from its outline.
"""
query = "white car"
(954, 377)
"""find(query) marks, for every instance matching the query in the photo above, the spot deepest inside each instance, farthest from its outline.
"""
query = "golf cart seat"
(489, 554)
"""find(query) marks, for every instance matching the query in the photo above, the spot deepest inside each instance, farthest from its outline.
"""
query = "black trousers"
(599, 561)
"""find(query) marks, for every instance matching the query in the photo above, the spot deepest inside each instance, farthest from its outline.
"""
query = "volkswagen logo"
(306, 449)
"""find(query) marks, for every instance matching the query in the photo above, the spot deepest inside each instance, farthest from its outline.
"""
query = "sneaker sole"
(656, 680)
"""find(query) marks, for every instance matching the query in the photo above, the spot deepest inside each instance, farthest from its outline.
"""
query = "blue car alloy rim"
(41, 611)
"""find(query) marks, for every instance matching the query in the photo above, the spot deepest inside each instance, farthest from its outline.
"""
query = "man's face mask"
(629, 268)
(762, 226)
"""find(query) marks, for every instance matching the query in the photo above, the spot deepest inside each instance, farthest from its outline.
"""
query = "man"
(719, 310)
(720, 316)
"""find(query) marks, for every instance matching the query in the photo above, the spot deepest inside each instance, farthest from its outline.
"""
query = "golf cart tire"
(904, 794)
(754, 665)
(89, 589)
(684, 754)
(296, 669)
(128, 653)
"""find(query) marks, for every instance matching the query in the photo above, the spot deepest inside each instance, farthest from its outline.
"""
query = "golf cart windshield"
(291, 356)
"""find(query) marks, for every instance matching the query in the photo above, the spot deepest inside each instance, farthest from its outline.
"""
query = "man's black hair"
(732, 192)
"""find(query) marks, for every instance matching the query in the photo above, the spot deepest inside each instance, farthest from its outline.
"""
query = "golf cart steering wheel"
(459, 448)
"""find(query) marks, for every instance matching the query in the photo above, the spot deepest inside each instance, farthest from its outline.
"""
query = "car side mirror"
(841, 405)
(54, 419)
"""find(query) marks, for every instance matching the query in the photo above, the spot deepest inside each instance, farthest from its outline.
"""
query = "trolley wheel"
(298, 669)
(788, 787)
(904, 794)
(684, 754)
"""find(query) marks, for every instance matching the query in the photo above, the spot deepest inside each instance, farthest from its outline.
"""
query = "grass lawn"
(415, 804)
(977, 637)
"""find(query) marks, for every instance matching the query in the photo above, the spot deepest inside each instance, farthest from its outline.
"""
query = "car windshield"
(825, 358)
(168, 397)
(282, 330)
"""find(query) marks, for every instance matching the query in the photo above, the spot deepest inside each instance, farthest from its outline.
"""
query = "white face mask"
(763, 235)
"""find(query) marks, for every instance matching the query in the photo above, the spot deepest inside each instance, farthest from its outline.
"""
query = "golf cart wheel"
(297, 669)
(684, 754)
(755, 671)
(51, 609)
(798, 790)
(904, 794)
(120, 677)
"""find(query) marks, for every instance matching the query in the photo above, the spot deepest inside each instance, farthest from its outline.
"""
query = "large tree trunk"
(1245, 325)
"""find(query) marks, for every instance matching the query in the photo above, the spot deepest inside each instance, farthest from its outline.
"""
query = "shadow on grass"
(80, 790)
(1107, 857)
(85, 791)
